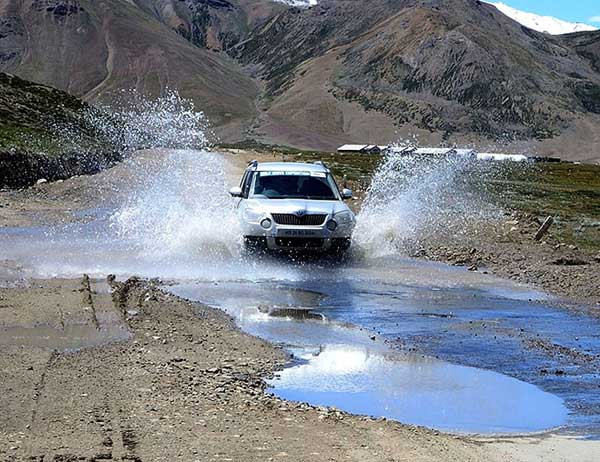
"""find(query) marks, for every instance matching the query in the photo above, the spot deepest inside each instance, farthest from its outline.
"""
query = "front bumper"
(306, 238)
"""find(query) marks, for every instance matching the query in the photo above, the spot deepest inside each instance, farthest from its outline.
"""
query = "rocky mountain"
(451, 71)
(444, 71)
(211, 24)
(93, 49)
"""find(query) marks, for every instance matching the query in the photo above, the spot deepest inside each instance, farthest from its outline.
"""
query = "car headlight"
(253, 215)
(344, 218)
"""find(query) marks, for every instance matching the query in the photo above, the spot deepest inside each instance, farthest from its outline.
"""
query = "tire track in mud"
(87, 300)
(41, 384)
(115, 443)
(102, 418)
(119, 439)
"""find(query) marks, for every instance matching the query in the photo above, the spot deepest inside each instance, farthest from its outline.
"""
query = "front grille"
(304, 220)
(299, 242)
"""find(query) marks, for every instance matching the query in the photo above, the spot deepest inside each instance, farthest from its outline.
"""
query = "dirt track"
(185, 385)
(176, 380)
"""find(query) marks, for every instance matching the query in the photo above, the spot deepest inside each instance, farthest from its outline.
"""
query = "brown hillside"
(96, 48)
(454, 71)
(445, 71)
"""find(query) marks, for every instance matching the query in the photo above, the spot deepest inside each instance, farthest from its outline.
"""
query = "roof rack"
(253, 163)
(320, 162)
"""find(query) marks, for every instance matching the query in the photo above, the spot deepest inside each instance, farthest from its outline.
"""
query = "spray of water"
(136, 122)
(180, 208)
(163, 208)
(412, 198)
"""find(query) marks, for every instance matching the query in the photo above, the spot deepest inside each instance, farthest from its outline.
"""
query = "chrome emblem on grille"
(300, 213)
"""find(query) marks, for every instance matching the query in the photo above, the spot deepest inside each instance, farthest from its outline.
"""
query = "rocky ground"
(508, 249)
(181, 384)
(178, 381)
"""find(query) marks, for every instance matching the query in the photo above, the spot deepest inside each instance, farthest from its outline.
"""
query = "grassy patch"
(568, 192)
(36, 118)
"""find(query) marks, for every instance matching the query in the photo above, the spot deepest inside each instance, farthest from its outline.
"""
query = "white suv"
(293, 206)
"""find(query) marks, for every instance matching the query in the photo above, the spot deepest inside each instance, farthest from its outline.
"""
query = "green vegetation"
(47, 133)
(568, 192)
(37, 118)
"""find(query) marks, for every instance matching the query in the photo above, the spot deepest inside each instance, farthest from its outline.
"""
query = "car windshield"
(295, 185)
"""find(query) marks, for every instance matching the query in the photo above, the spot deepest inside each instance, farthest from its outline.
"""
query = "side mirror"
(236, 192)
(346, 193)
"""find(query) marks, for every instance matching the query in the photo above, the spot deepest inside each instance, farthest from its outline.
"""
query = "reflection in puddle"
(342, 366)
(291, 312)
(418, 390)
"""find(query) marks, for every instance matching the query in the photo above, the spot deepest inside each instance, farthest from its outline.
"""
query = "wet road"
(388, 318)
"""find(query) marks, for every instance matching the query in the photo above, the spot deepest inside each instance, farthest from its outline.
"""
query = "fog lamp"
(266, 223)
(332, 225)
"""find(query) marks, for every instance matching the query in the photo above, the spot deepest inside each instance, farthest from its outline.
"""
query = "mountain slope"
(453, 71)
(32, 115)
(93, 49)
(447, 71)
(212, 24)
(34, 120)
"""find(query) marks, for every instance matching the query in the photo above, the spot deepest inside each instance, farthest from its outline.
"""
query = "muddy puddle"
(340, 364)
(68, 338)
(418, 390)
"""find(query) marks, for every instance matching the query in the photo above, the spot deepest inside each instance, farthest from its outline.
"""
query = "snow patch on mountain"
(547, 24)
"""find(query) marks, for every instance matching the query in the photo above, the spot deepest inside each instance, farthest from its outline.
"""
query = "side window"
(246, 183)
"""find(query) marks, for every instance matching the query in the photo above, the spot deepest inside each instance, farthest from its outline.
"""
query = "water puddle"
(155, 221)
(418, 390)
(68, 338)
(338, 364)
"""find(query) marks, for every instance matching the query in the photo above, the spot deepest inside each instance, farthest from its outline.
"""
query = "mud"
(188, 386)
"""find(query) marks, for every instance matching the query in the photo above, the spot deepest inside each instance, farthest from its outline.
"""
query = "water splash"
(412, 198)
(180, 208)
(135, 122)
